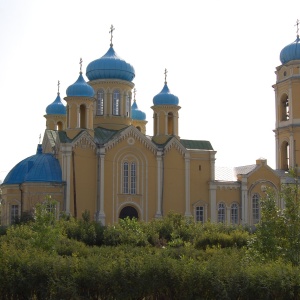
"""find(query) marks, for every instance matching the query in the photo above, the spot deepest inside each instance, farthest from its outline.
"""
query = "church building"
(95, 155)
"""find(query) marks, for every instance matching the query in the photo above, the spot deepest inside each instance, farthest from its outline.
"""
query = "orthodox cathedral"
(95, 155)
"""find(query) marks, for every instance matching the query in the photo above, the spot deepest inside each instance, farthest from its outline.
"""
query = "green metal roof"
(103, 135)
(192, 144)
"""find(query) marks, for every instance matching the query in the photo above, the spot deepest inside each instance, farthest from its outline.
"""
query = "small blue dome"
(41, 167)
(290, 52)
(56, 107)
(165, 97)
(137, 114)
(110, 66)
(80, 88)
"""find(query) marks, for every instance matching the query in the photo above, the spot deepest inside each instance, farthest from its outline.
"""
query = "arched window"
(116, 103)
(255, 208)
(59, 126)
(285, 108)
(129, 182)
(100, 103)
(234, 213)
(170, 123)
(221, 213)
(127, 106)
(285, 159)
(82, 116)
(133, 178)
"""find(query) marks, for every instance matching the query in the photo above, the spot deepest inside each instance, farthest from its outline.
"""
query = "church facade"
(95, 155)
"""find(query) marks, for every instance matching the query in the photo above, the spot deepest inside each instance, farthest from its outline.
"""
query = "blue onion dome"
(41, 167)
(110, 66)
(80, 88)
(137, 114)
(165, 97)
(291, 52)
(56, 107)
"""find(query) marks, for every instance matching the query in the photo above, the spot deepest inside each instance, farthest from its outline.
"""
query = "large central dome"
(110, 66)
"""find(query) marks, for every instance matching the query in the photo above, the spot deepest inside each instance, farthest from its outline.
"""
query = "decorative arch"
(129, 211)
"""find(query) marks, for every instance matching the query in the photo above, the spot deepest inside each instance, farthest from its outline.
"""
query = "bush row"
(126, 272)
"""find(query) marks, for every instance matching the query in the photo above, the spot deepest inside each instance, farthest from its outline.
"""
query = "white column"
(166, 124)
(244, 202)
(66, 174)
(78, 117)
(187, 185)
(213, 201)
(159, 184)
(100, 216)
(292, 151)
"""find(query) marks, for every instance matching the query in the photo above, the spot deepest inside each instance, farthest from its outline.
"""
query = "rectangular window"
(234, 214)
(133, 179)
(14, 213)
(100, 103)
(125, 178)
(200, 214)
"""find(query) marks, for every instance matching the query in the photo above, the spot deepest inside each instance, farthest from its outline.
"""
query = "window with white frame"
(200, 214)
(129, 178)
(100, 103)
(221, 213)
(116, 103)
(234, 213)
(14, 213)
(255, 208)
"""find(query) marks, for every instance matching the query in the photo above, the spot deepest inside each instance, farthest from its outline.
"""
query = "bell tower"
(287, 103)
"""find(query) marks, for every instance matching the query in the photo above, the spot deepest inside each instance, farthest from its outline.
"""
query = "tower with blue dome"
(138, 116)
(56, 114)
(165, 114)
(80, 105)
(287, 94)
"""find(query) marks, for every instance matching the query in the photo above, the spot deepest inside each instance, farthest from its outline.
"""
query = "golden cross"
(80, 62)
(166, 71)
(134, 93)
(58, 84)
(40, 139)
(297, 24)
(111, 34)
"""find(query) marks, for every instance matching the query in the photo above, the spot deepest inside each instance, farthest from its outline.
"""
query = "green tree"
(278, 233)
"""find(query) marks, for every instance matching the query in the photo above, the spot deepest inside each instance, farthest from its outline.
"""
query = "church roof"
(41, 167)
(56, 107)
(102, 135)
(136, 113)
(80, 88)
(165, 97)
(290, 52)
(110, 66)
(193, 144)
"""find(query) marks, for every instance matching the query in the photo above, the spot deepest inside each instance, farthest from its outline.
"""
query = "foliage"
(278, 234)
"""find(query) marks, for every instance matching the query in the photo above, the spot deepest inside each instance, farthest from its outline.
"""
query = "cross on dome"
(111, 34)
(80, 62)
(297, 24)
(166, 71)
(58, 84)
(134, 93)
